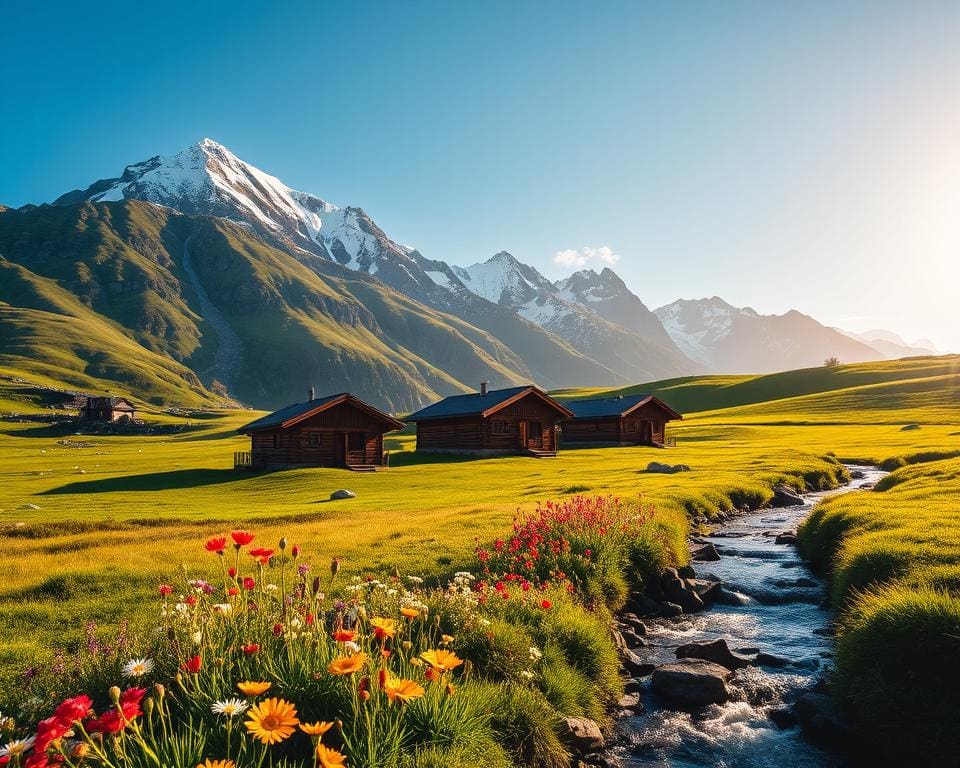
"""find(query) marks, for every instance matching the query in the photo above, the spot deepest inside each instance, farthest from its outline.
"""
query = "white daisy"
(352, 647)
(229, 707)
(17, 747)
(138, 667)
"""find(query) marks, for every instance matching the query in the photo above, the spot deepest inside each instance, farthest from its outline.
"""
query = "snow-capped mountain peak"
(503, 279)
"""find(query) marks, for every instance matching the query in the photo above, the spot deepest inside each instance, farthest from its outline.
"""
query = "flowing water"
(781, 614)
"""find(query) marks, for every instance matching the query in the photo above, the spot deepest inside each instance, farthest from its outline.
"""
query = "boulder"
(686, 572)
(669, 610)
(783, 718)
(583, 734)
(821, 719)
(706, 554)
(634, 665)
(342, 493)
(909, 427)
(634, 622)
(785, 496)
(692, 681)
(666, 469)
(769, 660)
(729, 597)
(629, 701)
(716, 651)
(857, 474)
(787, 537)
(643, 605)
(707, 591)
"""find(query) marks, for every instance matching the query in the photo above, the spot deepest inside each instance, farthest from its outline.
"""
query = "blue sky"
(780, 155)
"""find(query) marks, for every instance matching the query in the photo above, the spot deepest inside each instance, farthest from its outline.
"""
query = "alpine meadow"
(620, 428)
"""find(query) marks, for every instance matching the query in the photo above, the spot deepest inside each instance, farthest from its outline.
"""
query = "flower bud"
(467, 667)
(148, 707)
(114, 694)
(406, 645)
(282, 543)
(335, 566)
(161, 691)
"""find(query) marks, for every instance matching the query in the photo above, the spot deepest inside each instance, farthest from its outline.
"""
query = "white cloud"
(572, 257)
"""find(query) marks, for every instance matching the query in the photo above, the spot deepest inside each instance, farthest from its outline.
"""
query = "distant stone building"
(112, 409)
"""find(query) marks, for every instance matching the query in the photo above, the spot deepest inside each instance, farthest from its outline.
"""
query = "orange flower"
(410, 613)
(441, 660)
(347, 665)
(330, 758)
(253, 688)
(208, 763)
(343, 635)
(272, 721)
(316, 729)
(404, 690)
(383, 628)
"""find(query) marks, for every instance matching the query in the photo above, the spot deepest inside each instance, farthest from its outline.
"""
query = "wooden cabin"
(630, 420)
(112, 409)
(490, 423)
(334, 431)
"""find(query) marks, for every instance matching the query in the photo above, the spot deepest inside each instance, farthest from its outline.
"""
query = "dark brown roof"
(605, 407)
(482, 404)
(292, 414)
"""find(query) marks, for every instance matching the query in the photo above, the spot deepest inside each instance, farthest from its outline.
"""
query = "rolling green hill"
(896, 391)
(133, 298)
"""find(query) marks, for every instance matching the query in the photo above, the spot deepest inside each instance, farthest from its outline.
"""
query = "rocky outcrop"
(705, 554)
(583, 734)
(692, 682)
(716, 651)
(785, 496)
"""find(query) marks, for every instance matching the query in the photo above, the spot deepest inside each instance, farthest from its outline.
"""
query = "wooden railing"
(242, 460)
(669, 441)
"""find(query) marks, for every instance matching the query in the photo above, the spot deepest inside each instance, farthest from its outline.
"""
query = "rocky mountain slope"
(739, 340)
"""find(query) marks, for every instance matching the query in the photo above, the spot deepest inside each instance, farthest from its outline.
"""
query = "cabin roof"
(108, 402)
(615, 406)
(292, 414)
(477, 404)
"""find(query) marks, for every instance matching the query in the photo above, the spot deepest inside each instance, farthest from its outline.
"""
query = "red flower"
(295, 551)
(48, 731)
(193, 665)
(250, 648)
(233, 591)
(546, 605)
(135, 695)
(261, 552)
(241, 538)
(382, 678)
(278, 629)
(343, 635)
(248, 583)
(73, 709)
(190, 600)
(431, 674)
(109, 722)
(216, 544)
(165, 590)
(232, 572)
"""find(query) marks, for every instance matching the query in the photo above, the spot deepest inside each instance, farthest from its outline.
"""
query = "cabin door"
(523, 435)
(340, 449)
(646, 432)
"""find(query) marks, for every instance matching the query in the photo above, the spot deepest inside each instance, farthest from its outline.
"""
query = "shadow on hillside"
(154, 481)
(414, 458)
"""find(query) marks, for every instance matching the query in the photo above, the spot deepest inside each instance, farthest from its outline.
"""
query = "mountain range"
(198, 278)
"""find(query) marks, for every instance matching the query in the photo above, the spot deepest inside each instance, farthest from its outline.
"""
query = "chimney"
(483, 387)
(313, 394)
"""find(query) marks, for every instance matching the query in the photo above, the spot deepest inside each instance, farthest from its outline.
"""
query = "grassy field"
(92, 524)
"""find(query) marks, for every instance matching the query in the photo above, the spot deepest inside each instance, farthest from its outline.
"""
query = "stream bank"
(771, 614)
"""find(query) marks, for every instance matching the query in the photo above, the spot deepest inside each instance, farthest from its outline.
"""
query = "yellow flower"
(410, 613)
(441, 660)
(272, 721)
(330, 758)
(416, 662)
(347, 665)
(383, 628)
(253, 689)
(405, 690)
(208, 763)
(316, 729)
(446, 639)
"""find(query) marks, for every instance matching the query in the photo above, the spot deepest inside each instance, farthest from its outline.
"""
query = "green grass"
(116, 517)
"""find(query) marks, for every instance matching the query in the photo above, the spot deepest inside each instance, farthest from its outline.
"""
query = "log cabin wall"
(342, 435)
(498, 433)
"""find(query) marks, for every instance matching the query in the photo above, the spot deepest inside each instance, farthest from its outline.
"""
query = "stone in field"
(343, 493)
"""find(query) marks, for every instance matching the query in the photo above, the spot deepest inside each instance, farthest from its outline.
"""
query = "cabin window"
(631, 426)
(315, 439)
(500, 428)
(276, 439)
(356, 441)
(536, 430)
